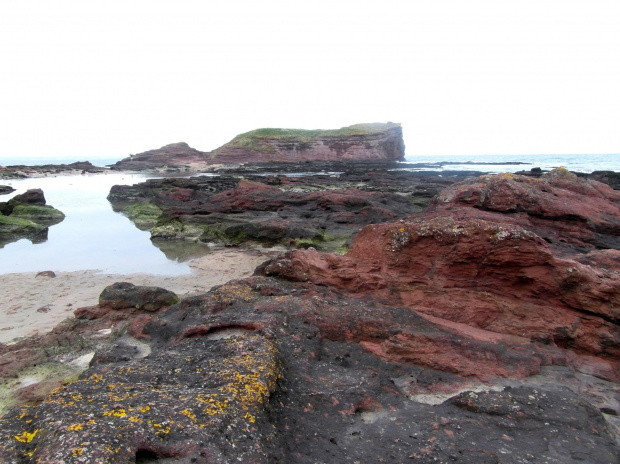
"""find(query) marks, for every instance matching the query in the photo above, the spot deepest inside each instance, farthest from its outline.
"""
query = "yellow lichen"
(75, 427)
(26, 437)
(116, 412)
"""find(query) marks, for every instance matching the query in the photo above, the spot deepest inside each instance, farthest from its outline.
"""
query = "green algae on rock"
(143, 215)
(38, 213)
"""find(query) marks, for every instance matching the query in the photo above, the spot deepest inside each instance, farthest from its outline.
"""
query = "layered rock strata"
(354, 143)
(359, 142)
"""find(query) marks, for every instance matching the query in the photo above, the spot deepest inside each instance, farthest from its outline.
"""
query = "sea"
(512, 163)
(94, 237)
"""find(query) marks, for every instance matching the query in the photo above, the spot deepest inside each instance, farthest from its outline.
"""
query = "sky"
(105, 79)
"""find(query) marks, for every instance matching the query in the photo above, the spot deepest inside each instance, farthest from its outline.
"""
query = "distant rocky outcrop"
(359, 142)
(27, 216)
(23, 171)
(176, 156)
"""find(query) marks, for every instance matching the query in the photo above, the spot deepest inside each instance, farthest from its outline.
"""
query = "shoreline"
(31, 305)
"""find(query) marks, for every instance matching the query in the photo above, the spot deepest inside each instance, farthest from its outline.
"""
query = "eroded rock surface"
(263, 370)
(455, 335)
(322, 210)
(565, 210)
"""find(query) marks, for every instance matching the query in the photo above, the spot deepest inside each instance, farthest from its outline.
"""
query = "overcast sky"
(87, 79)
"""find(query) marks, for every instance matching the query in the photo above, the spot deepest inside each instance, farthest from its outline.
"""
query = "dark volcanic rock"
(321, 210)
(122, 295)
(5, 189)
(27, 216)
(262, 370)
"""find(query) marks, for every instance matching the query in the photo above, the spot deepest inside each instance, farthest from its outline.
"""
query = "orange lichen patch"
(116, 412)
(235, 292)
(242, 372)
(26, 437)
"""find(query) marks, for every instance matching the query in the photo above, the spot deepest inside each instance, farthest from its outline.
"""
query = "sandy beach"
(31, 305)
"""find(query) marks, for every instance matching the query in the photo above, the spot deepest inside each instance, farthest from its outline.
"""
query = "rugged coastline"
(393, 315)
(470, 319)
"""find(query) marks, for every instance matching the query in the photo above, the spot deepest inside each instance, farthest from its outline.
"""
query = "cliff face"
(358, 142)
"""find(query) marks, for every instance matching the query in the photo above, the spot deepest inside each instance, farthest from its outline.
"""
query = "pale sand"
(31, 305)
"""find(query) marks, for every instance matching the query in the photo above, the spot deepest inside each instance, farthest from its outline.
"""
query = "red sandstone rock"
(558, 206)
(497, 277)
(360, 142)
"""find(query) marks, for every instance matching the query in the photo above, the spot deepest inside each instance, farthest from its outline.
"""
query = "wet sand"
(31, 305)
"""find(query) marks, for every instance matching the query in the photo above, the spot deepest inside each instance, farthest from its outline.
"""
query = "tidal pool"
(92, 236)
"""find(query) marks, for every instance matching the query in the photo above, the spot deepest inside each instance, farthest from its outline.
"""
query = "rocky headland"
(27, 216)
(375, 141)
(467, 320)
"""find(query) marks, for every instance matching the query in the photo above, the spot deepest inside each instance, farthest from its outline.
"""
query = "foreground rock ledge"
(262, 370)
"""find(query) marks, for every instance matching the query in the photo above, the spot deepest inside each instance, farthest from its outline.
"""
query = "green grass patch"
(259, 139)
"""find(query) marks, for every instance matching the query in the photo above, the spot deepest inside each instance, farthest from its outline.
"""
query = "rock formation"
(23, 171)
(322, 210)
(567, 211)
(454, 335)
(27, 216)
(175, 156)
(359, 142)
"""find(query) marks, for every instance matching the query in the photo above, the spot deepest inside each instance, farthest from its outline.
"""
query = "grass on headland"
(257, 140)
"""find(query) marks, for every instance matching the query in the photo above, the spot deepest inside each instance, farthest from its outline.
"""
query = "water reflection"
(92, 236)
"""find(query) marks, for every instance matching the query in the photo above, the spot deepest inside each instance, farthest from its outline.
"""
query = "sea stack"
(360, 142)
